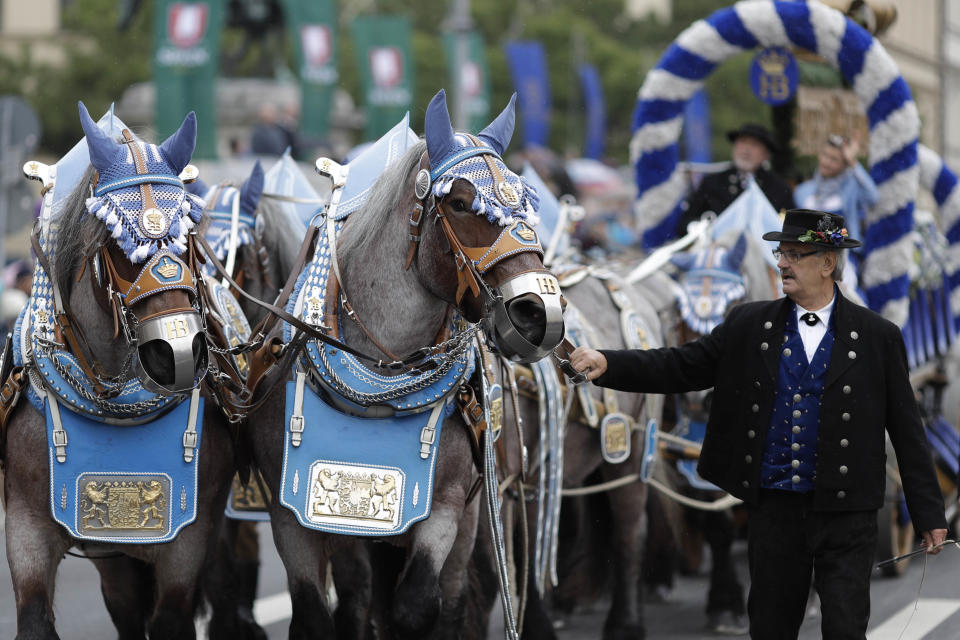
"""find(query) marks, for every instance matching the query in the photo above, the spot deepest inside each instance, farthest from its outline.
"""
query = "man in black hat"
(804, 388)
(752, 147)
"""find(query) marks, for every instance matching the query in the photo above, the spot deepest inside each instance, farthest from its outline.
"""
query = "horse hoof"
(728, 623)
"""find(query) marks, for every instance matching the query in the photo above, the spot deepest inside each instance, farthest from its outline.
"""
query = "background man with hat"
(752, 147)
(804, 388)
(840, 185)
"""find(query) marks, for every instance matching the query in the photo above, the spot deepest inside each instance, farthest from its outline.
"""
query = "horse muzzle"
(171, 350)
(525, 317)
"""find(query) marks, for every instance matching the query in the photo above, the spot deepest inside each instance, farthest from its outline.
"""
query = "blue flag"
(596, 112)
(696, 128)
(528, 69)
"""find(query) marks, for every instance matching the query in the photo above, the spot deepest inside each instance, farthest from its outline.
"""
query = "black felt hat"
(817, 228)
(755, 131)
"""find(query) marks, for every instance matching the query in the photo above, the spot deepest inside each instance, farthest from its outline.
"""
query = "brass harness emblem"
(123, 505)
(355, 495)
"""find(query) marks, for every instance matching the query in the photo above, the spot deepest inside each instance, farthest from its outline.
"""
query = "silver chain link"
(445, 361)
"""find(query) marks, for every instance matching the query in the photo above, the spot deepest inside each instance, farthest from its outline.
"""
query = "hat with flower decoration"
(139, 192)
(817, 228)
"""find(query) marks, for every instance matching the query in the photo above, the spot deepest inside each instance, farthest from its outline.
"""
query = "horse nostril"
(199, 347)
(156, 358)
(529, 316)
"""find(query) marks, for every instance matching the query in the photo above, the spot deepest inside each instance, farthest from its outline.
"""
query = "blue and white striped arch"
(894, 125)
(941, 181)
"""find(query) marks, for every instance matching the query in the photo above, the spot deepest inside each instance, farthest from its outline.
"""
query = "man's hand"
(851, 148)
(592, 361)
(933, 539)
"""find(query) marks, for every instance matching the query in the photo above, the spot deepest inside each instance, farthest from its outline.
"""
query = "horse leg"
(35, 543)
(305, 554)
(127, 587)
(417, 598)
(230, 583)
(660, 550)
(454, 575)
(625, 619)
(725, 606)
(353, 577)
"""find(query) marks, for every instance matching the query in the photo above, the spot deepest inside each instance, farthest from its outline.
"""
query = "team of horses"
(540, 486)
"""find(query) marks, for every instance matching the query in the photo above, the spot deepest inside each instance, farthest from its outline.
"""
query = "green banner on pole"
(385, 59)
(312, 28)
(185, 64)
(474, 76)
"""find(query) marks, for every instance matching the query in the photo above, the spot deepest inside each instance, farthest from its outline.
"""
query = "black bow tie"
(810, 318)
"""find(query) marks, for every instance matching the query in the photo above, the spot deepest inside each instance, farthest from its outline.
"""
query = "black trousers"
(788, 544)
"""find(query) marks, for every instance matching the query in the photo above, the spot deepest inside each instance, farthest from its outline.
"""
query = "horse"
(254, 239)
(442, 241)
(121, 237)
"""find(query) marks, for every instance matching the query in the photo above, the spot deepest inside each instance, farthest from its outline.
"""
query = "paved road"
(81, 614)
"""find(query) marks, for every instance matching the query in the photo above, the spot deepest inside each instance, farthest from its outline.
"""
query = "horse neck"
(254, 283)
(97, 327)
(390, 301)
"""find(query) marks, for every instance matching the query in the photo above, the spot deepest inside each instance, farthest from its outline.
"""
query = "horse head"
(145, 277)
(709, 282)
(482, 252)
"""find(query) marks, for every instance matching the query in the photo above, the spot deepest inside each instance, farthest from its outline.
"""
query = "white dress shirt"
(812, 335)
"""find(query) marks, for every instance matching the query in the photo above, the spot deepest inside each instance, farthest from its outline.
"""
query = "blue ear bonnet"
(710, 282)
(504, 198)
(220, 211)
(118, 198)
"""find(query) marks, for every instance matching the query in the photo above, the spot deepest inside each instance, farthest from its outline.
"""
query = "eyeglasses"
(793, 257)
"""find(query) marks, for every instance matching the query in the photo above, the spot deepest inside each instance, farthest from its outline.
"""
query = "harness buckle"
(296, 430)
(427, 436)
(189, 439)
(59, 438)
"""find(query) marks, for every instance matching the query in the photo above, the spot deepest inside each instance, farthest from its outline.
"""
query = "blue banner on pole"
(596, 112)
(696, 128)
(528, 69)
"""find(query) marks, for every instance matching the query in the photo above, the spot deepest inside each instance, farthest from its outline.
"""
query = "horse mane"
(282, 236)
(78, 234)
(386, 194)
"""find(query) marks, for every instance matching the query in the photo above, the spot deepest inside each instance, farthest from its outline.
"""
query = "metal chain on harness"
(446, 359)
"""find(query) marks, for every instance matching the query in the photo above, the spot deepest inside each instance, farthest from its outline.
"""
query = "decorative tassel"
(138, 255)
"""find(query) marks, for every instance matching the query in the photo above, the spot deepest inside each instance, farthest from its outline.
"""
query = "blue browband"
(122, 183)
(460, 157)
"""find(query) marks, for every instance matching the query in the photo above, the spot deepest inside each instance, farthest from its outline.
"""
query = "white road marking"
(267, 611)
(929, 614)
(272, 608)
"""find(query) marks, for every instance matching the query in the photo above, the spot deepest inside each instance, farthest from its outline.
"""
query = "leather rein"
(271, 359)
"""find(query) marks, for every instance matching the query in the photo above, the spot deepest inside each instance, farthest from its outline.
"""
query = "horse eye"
(459, 205)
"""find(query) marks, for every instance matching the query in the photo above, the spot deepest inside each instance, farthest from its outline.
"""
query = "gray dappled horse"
(148, 588)
(600, 536)
(709, 281)
(263, 240)
(403, 292)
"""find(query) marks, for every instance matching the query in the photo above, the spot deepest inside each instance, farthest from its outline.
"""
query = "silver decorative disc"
(422, 185)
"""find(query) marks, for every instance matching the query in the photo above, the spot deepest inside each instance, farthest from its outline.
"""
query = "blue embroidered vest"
(790, 454)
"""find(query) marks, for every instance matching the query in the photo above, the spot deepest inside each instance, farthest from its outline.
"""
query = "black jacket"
(717, 191)
(867, 389)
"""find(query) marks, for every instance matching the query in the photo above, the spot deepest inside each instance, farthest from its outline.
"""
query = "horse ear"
(437, 130)
(252, 189)
(737, 253)
(499, 132)
(103, 150)
(178, 148)
(683, 261)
